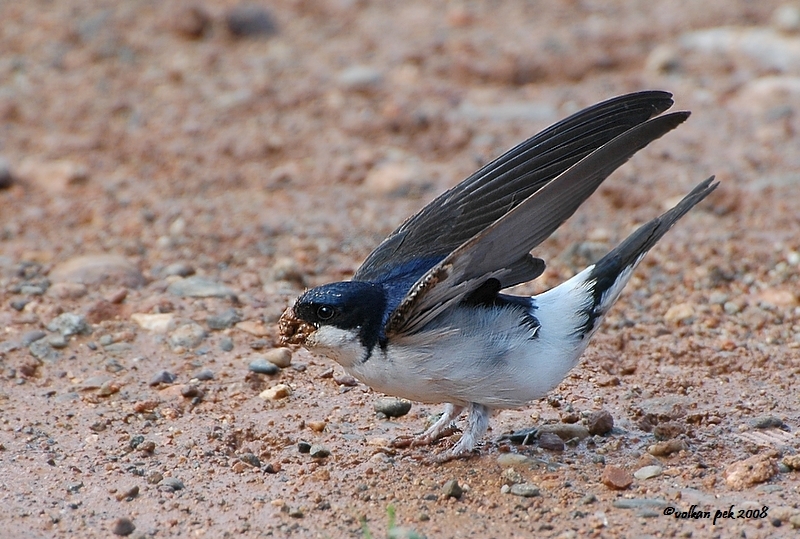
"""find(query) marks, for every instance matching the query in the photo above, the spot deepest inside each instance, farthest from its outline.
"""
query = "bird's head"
(336, 315)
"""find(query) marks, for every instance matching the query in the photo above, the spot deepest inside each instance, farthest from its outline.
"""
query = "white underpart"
(481, 358)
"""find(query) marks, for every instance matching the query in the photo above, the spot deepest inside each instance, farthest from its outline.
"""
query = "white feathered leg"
(477, 423)
(451, 413)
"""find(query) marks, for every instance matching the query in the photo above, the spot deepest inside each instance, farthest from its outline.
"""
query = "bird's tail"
(610, 274)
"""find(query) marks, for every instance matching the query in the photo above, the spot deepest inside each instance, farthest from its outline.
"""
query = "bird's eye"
(325, 312)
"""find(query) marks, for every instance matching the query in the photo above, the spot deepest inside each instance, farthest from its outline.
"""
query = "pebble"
(191, 21)
(280, 357)
(155, 323)
(42, 350)
(767, 422)
(303, 447)
(57, 341)
(180, 269)
(93, 382)
(600, 423)
(787, 18)
(97, 270)
(345, 379)
(128, 494)
(451, 489)
(551, 442)
(668, 447)
(513, 459)
(616, 478)
(566, 431)
(172, 483)
(392, 406)
(751, 471)
(199, 287)
(226, 344)
(205, 375)
(250, 20)
(639, 503)
(162, 377)
(67, 290)
(319, 451)
(154, 478)
(68, 324)
(224, 320)
(191, 391)
(187, 336)
(251, 459)
(526, 490)
(680, 313)
(123, 526)
(510, 476)
(359, 78)
(262, 366)
(30, 337)
(792, 462)
(668, 430)
(648, 472)
(277, 392)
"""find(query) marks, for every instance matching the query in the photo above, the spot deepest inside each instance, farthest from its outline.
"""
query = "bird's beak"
(293, 329)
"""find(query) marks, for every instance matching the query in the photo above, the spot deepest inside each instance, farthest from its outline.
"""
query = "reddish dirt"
(267, 163)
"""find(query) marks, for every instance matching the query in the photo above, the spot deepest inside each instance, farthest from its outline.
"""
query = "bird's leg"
(451, 413)
(477, 423)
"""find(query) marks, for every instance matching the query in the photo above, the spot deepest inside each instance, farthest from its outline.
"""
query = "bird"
(425, 317)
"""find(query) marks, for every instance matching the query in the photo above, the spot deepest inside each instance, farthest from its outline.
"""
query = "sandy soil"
(212, 161)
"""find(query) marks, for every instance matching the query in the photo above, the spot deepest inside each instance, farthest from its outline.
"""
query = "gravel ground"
(172, 174)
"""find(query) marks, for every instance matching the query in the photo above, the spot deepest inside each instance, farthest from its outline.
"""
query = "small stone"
(57, 341)
(345, 380)
(359, 78)
(226, 344)
(392, 406)
(154, 478)
(200, 287)
(513, 459)
(281, 357)
(318, 451)
(261, 366)
(526, 490)
(511, 476)
(648, 472)
(190, 391)
(792, 462)
(188, 336)
(639, 503)
(787, 18)
(102, 310)
(123, 527)
(172, 483)
(668, 447)
(668, 430)
(451, 489)
(180, 269)
(551, 442)
(32, 336)
(67, 290)
(68, 324)
(162, 377)
(250, 20)
(191, 21)
(97, 270)
(616, 478)
(42, 350)
(225, 319)
(280, 391)
(600, 423)
(155, 323)
(767, 422)
(680, 313)
(316, 426)
(128, 494)
(205, 375)
(587, 499)
(731, 307)
(751, 471)
(251, 459)
(565, 431)
(303, 447)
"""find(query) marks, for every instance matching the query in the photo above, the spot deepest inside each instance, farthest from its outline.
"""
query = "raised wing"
(497, 188)
(494, 252)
